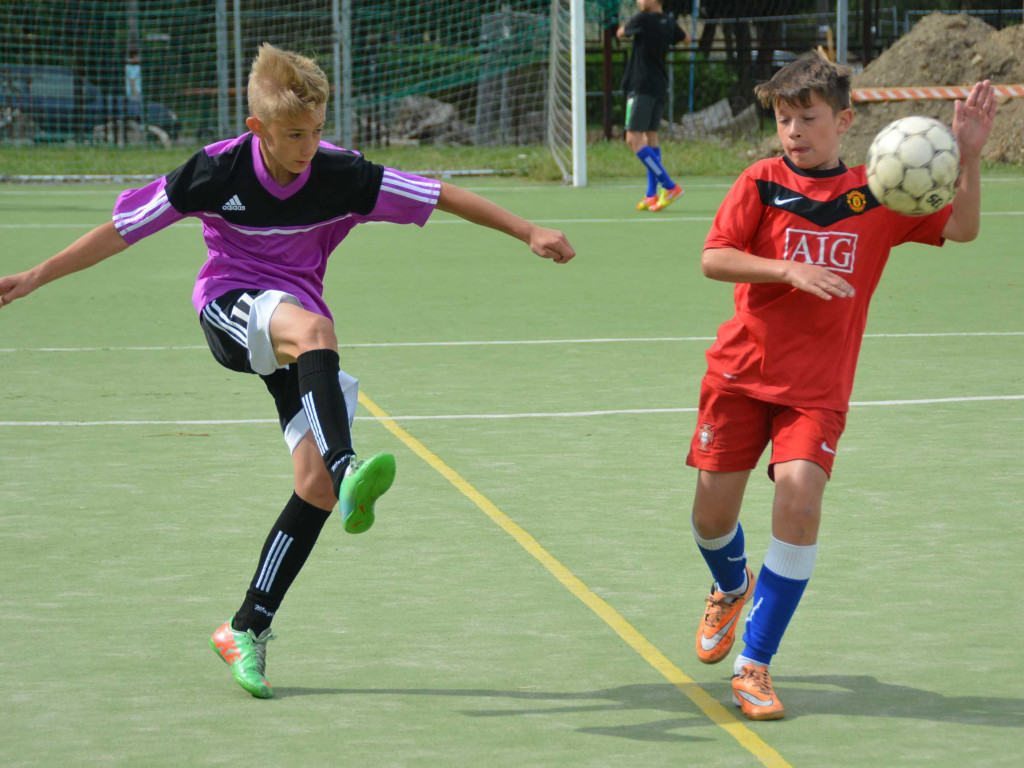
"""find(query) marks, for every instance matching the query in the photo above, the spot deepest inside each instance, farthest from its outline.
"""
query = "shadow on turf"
(864, 695)
(804, 696)
(661, 698)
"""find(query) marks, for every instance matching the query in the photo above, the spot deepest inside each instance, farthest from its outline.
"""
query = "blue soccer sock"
(649, 157)
(652, 180)
(726, 558)
(784, 575)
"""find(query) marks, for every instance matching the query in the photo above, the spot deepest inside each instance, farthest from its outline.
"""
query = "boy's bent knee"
(717, 502)
(318, 333)
(796, 520)
(312, 481)
(317, 492)
(295, 330)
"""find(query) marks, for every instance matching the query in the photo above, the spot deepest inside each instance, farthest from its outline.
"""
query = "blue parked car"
(47, 96)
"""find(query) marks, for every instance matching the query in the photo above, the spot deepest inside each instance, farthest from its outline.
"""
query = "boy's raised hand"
(551, 244)
(972, 118)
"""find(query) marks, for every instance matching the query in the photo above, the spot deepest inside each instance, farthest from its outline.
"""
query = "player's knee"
(316, 333)
(712, 523)
(317, 493)
(800, 519)
(314, 486)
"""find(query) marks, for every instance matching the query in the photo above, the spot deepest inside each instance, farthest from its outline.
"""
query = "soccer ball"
(913, 165)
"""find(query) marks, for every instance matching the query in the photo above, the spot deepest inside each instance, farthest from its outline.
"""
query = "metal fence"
(172, 71)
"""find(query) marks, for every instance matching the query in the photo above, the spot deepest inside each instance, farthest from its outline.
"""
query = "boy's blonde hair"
(810, 74)
(284, 84)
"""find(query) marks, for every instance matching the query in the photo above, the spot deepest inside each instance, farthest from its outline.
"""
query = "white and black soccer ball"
(913, 165)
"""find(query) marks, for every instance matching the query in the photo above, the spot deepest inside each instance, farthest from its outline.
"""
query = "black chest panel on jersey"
(823, 214)
(226, 184)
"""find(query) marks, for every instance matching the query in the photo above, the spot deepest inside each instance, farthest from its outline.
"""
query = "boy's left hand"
(972, 118)
(551, 244)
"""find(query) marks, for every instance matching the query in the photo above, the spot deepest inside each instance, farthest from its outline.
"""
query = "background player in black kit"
(646, 86)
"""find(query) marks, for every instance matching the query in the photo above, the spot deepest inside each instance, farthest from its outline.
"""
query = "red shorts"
(733, 430)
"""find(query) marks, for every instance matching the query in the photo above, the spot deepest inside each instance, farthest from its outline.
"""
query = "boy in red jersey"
(805, 242)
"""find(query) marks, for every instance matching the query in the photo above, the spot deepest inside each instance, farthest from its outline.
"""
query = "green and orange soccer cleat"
(364, 482)
(665, 197)
(246, 654)
(717, 629)
(646, 203)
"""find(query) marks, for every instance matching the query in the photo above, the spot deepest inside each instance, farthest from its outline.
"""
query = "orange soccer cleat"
(752, 691)
(718, 627)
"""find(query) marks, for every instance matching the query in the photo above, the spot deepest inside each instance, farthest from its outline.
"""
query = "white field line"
(494, 343)
(430, 223)
(115, 188)
(456, 221)
(487, 416)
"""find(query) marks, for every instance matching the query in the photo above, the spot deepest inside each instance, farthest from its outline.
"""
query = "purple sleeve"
(404, 198)
(139, 213)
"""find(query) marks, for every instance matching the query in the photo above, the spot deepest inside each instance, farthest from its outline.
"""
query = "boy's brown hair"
(284, 84)
(810, 74)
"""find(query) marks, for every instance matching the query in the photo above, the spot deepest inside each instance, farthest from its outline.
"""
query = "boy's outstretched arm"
(91, 248)
(548, 243)
(972, 123)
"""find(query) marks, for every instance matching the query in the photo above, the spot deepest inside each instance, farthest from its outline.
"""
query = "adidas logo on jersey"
(234, 204)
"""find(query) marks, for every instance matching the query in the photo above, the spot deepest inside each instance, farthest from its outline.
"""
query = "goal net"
(405, 72)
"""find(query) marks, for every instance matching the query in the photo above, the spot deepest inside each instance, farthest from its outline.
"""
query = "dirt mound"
(942, 49)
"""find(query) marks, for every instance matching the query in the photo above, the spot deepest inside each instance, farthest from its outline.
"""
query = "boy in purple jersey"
(274, 203)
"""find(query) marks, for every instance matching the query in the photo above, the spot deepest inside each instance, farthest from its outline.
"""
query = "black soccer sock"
(324, 406)
(284, 553)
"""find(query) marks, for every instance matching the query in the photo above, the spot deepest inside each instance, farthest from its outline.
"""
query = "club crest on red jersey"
(706, 435)
(834, 250)
(856, 200)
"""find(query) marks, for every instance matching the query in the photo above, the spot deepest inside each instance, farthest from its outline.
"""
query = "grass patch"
(611, 159)
(604, 159)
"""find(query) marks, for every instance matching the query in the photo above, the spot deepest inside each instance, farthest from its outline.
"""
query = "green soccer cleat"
(246, 654)
(364, 482)
(666, 196)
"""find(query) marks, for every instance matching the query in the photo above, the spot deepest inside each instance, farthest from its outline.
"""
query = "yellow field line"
(650, 653)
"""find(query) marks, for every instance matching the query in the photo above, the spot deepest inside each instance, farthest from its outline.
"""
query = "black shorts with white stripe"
(644, 112)
(225, 322)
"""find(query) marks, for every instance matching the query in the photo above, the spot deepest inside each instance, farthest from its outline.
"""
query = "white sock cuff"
(713, 544)
(743, 661)
(790, 560)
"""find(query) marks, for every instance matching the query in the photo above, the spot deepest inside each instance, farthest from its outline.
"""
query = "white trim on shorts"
(297, 428)
(261, 349)
(263, 361)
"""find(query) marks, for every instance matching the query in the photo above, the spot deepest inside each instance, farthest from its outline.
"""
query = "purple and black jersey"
(261, 235)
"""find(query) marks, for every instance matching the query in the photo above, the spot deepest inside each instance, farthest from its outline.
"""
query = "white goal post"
(565, 100)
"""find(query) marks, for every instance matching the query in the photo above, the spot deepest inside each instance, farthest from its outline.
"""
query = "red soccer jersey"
(785, 345)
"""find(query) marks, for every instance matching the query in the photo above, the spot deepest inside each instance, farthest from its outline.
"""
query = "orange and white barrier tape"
(927, 93)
